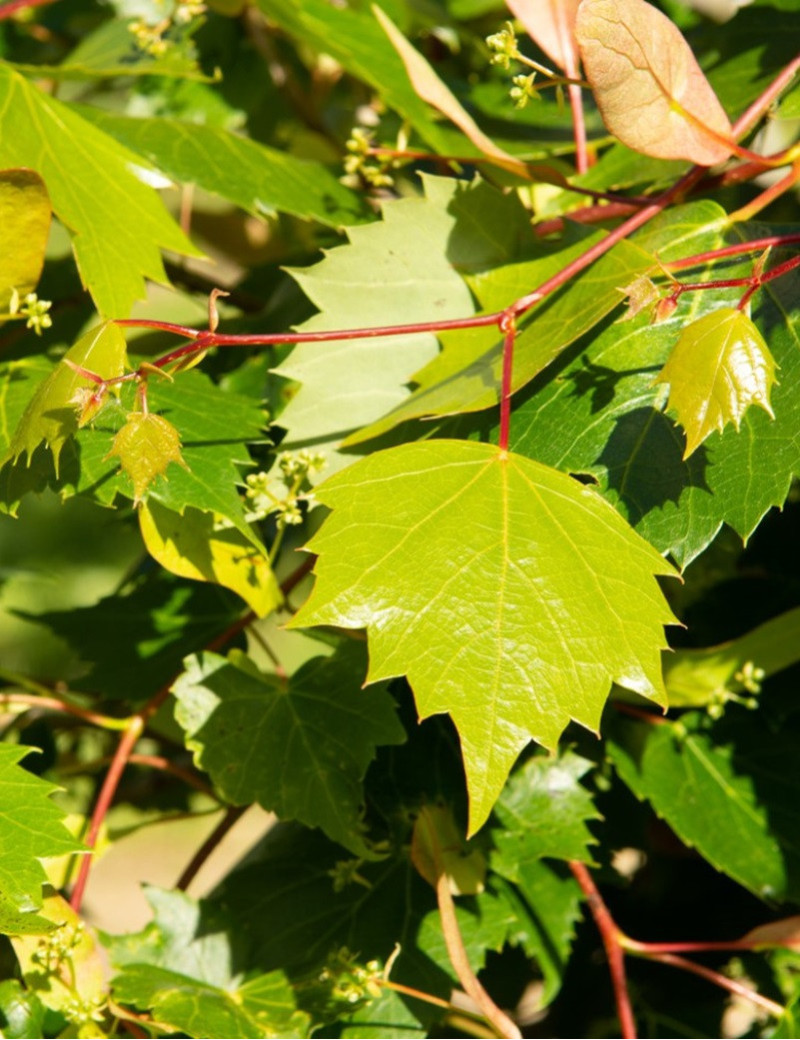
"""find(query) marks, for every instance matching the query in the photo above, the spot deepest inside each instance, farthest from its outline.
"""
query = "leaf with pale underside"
(52, 415)
(433, 90)
(648, 86)
(551, 25)
(24, 226)
(719, 367)
(561, 593)
(207, 547)
(145, 446)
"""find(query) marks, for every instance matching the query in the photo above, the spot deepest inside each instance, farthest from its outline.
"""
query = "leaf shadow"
(644, 463)
(599, 383)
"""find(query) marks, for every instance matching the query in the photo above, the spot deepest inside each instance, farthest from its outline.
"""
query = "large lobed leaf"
(24, 226)
(510, 595)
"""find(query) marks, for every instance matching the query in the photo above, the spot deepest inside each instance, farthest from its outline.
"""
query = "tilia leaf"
(146, 445)
(648, 86)
(52, 415)
(509, 594)
(718, 368)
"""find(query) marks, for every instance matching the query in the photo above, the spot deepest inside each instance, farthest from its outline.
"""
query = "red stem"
(506, 390)
(612, 941)
(751, 246)
(731, 985)
(10, 8)
(167, 766)
(748, 119)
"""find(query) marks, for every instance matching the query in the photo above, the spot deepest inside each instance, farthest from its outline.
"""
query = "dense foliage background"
(513, 573)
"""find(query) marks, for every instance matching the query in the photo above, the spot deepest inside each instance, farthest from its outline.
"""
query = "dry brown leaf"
(648, 86)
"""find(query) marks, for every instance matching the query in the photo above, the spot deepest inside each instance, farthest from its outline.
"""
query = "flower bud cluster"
(350, 982)
(361, 164)
(32, 308)
(153, 38)
(268, 493)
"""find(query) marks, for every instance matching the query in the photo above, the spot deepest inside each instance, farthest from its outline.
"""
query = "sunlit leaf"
(206, 547)
(24, 225)
(719, 367)
(145, 446)
(53, 413)
(562, 593)
(648, 86)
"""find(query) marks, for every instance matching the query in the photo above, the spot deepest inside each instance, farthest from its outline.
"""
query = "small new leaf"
(561, 592)
(717, 369)
(52, 416)
(648, 86)
(146, 445)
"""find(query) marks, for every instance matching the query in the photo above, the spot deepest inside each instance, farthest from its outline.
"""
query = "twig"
(193, 867)
(611, 936)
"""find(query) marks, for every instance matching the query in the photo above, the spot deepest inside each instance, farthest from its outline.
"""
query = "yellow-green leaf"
(24, 225)
(207, 547)
(717, 369)
(146, 445)
(511, 595)
(648, 86)
(437, 847)
(53, 414)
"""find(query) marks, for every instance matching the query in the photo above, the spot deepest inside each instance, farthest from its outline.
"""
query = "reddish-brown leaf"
(648, 86)
(551, 25)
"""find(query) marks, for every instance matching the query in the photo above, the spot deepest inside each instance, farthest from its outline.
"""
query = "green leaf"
(543, 811)
(601, 413)
(132, 643)
(262, 1007)
(259, 179)
(21, 1012)
(117, 222)
(734, 800)
(111, 51)
(25, 223)
(717, 369)
(145, 446)
(52, 415)
(397, 270)
(647, 84)
(205, 547)
(564, 595)
(467, 375)
(316, 737)
(31, 829)
(695, 678)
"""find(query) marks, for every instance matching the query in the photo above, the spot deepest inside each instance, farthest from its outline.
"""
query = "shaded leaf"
(21, 1012)
(204, 546)
(551, 25)
(564, 595)
(431, 89)
(31, 829)
(438, 848)
(543, 811)
(52, 415)
(315, 738)
(118, 223)
(24, 226)
(648, 86)
(695, 678)
(133, 642)
(259, 179)
(734, 800)
(145, 446)
(717, 369)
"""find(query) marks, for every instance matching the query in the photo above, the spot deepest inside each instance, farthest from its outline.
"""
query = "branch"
(613, 942)
(195, 864)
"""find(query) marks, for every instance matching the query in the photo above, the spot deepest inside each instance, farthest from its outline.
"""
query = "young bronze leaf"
(24, 226)
(718, 368)
(648, 86)
(509, 594)
(146, 445)
(551, 25)
(431, 89)
(207, 547)
(53, 413)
